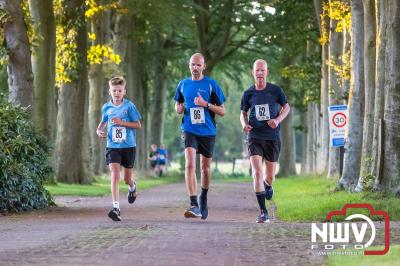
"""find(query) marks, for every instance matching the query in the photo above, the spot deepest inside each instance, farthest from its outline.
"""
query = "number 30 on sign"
(337, 125)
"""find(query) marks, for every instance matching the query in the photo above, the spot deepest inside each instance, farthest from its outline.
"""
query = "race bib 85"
(118, 134)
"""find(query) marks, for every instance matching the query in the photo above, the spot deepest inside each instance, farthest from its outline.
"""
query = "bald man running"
(198, 98)
(268, 107)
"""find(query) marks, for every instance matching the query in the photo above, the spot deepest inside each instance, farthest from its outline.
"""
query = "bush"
(24, 163)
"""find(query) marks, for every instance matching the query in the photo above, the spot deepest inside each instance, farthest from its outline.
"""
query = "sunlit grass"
(311, 198)
(390, 258)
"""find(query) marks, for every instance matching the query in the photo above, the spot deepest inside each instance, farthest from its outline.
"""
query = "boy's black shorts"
(123, 156)
(268, 149)
(203, 144)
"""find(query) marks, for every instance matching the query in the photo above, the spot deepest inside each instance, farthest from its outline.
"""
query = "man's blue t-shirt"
(119, 136)
(264, 105)
(199, 120)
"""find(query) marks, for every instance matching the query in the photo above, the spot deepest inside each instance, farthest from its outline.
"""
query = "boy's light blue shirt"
(124, 137)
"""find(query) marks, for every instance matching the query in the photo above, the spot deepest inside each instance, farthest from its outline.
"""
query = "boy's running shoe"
(132, 196)
(192, 212)
(115, 214)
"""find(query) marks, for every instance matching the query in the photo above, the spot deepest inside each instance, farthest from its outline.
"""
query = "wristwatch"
(208, 105)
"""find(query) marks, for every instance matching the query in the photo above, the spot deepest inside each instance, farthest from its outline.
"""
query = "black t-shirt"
(264, 105)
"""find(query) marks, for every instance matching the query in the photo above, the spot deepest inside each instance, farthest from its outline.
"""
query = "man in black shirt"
(268, 107)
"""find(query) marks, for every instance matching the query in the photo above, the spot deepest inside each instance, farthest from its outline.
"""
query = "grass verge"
(311, 198)
(101, 186)
(389, 259)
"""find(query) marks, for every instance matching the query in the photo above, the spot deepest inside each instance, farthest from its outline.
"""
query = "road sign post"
(338, 120)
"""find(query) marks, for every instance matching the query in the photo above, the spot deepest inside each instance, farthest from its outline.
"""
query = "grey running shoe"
(192, 212)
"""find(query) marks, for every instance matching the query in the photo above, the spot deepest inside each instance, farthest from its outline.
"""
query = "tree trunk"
(120, 37)
(97, 87)
(70, 166)
(323, 148)
(158, 102)
(43, 66)
(287, 158)
(352, 156)
(369, 78)
(19, 68)
(135, 87)
(316, 133)
(391, 125)
(313, 125)
(323, 158)
(346, 49)
(335, 91)
(305, 158)
(376, 167)
(88, 173)
(94, 113)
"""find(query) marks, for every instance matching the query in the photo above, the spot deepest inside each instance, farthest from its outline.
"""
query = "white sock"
(116, 204)
(132, 188)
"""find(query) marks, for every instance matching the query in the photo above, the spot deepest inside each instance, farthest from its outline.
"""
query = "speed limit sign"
(339, 119)
(337, 125)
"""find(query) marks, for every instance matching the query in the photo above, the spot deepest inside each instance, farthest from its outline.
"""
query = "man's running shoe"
(132, 196)
(115, 214)
(262, 218)
(192, 212)
(203, 208)
(269, 192)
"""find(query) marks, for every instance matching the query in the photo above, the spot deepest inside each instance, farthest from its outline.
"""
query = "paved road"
(154, 232)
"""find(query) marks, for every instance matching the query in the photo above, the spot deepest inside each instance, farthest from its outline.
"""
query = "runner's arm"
(135, 125)
(179, 107)
(244, 120)
(218, 109)
(99, 130)
(282, 115)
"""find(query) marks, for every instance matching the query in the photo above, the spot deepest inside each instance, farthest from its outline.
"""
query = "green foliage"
(3, 79)
(305, 82)
(339, 11)
(23, 162)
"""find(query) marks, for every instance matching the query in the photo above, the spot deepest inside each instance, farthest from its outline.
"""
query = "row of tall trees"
(375, 86)
(363, 77)
(61, 53)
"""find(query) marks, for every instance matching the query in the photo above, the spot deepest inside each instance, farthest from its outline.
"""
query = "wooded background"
(56, 58)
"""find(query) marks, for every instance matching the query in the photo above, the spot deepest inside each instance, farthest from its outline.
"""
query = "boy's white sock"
(116, 204)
